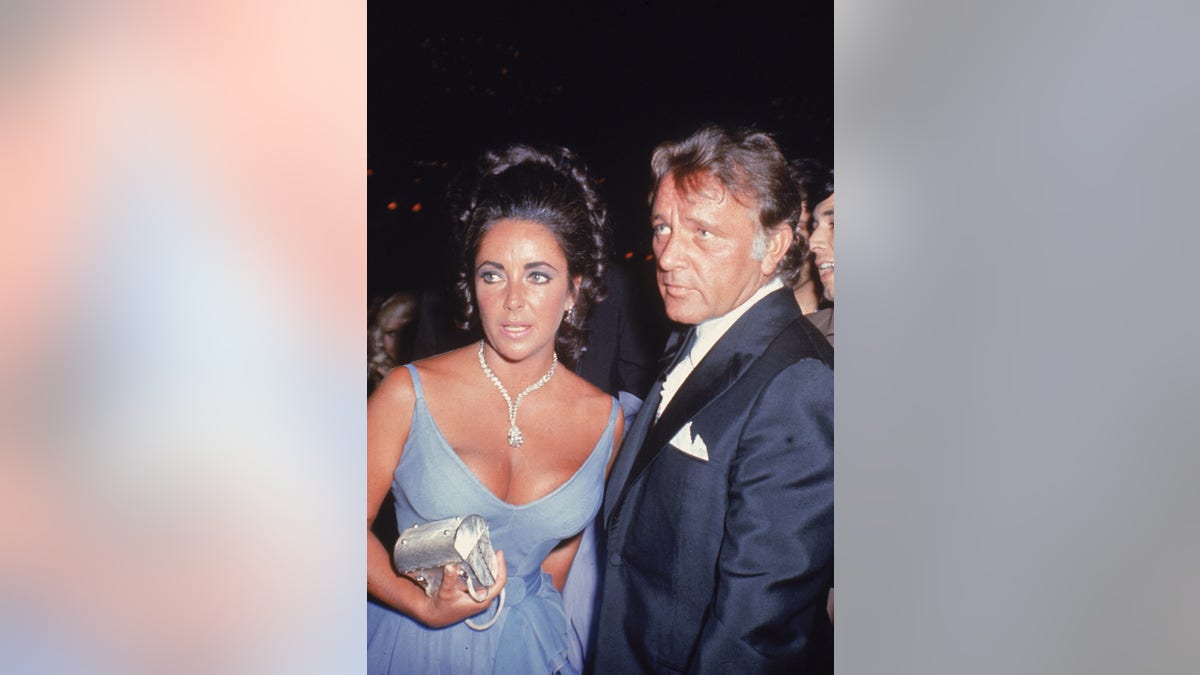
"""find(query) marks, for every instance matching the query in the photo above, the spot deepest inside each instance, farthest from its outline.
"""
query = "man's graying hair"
(750, 166)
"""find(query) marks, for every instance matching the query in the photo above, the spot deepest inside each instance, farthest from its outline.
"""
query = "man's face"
(820, 242)
(703, 241)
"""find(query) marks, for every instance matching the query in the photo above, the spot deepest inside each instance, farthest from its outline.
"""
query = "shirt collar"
(708, 332)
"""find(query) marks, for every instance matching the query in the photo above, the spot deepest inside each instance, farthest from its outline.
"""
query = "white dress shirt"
(707, 334)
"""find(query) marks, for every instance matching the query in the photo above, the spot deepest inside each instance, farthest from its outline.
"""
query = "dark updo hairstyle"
(548, 186)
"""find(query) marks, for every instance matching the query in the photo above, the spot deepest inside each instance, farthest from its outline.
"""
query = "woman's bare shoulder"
(399, 387)
(587, 395)
(396, 389)
(447, 366)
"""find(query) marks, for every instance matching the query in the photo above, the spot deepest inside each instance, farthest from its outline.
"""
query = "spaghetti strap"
(412, 370)
(610, 430)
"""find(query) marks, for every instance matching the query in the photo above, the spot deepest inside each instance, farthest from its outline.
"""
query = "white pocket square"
(690, 445)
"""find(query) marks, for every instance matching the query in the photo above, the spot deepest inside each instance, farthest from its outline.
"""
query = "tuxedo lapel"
(718, 371)
(728, 360)
(635, 436)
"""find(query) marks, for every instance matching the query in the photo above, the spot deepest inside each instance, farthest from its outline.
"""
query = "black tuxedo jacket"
(724, 565)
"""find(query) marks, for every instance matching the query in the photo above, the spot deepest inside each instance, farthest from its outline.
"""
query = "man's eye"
(704, 234)
(661, 229)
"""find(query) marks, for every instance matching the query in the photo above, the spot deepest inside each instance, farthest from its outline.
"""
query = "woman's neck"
(519, 374)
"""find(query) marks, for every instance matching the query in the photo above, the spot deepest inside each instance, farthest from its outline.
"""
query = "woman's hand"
(452, 603)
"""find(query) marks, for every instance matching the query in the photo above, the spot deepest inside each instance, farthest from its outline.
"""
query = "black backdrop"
(609, 83)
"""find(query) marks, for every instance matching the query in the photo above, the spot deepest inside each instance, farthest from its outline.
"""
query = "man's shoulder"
(799, 340)
(775, 331)
(792, 351)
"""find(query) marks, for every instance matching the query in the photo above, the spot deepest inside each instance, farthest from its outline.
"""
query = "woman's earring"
(571, 314)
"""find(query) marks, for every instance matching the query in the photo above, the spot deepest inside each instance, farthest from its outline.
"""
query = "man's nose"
(817, 242)
(669, 254)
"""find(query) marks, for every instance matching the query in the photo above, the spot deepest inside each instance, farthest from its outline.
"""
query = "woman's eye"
(539, 277)
(489, 277)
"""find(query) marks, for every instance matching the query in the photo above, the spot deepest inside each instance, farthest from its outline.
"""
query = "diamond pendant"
(515, 439)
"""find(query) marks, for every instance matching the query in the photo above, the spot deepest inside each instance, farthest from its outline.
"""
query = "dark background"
(609, 83)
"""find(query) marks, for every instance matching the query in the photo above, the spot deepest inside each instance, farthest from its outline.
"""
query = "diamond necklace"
(515, 439)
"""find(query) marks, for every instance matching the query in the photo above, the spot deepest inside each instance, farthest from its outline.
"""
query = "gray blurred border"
(1017, 380)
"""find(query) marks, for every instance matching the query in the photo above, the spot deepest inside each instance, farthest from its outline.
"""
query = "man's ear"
(779, 240)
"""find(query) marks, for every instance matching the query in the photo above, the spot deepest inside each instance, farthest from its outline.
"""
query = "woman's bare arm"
(389, 418)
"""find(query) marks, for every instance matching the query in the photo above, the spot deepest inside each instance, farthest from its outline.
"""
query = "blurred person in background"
(390, 336)
(808, 294)
(816, 185)
(498, 428)
(820, 243)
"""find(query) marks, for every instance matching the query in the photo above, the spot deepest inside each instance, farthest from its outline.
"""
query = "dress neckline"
(423, 408)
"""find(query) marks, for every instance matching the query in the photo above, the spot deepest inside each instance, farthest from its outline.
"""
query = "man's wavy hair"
(749, 165)
(550, 186)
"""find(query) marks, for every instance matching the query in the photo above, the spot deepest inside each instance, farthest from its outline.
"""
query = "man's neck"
(708, 332)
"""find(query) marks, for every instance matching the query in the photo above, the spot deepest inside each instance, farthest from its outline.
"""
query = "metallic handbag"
(422, 551)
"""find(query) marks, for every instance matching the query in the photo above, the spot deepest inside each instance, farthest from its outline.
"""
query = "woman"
(498, 428)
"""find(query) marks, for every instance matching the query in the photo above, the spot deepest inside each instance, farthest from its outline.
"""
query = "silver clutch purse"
(422, 551)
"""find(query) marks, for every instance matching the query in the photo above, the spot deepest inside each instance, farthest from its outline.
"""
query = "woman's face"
(522, 287)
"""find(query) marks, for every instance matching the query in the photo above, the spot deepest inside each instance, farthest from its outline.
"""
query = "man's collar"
(708, 332)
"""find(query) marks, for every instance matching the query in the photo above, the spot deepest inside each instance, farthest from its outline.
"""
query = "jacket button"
(614, 559)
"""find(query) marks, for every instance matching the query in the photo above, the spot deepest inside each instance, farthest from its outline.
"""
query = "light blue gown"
(532, 633)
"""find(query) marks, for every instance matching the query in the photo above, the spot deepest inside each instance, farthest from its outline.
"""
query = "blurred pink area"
(182, 187)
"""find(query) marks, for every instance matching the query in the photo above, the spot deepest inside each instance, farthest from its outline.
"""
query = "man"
(820, 242)
(816, 189)
(719, 513)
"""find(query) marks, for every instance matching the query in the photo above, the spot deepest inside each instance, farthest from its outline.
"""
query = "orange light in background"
(370, 172)
(392, 206)
(650, 257)
(416, 208)
(503, 70)
(629, 255)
